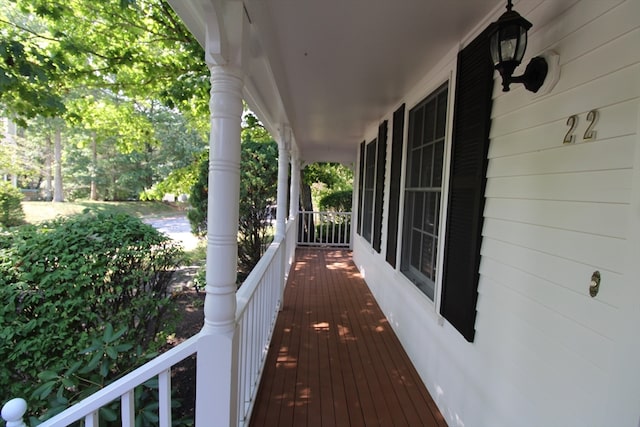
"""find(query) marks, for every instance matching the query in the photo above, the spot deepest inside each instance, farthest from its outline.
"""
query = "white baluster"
(13, 411)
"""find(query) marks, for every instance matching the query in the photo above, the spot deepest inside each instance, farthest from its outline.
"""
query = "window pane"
(429, 122)
(416, 127)
(414, 161)
(438, 159)
(429, 217)
(427, 166)
(418, 210)
(428, 261)
(416, 243)
(442, 115)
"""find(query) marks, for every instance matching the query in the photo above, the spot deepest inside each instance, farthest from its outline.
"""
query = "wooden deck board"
(334, 359)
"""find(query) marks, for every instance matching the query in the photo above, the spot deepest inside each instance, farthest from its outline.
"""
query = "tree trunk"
(306, 229)
(305, 194)
(48, 170)
(12, 141)
(94, 168)
(58, 195)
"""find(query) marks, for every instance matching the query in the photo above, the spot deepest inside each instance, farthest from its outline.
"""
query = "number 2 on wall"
(572, 122)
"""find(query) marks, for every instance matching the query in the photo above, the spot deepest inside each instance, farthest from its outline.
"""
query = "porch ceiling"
(331, 68)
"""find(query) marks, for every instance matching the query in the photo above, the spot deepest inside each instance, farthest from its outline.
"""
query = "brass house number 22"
(572, 122)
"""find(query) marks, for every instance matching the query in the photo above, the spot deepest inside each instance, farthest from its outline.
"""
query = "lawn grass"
(42, 211)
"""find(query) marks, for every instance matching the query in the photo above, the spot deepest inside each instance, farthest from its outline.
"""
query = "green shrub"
(66, 286)
(338, 201)
(11, 213)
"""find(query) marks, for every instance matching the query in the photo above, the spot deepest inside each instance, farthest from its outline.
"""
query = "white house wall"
(545, 353)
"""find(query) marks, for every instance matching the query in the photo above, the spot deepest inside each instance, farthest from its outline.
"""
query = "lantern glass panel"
(522, 44)
(494, 46)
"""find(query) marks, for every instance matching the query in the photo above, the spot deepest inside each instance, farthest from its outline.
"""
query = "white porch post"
(216, 384)
(284, 144)
(294, 205)
(283, 178)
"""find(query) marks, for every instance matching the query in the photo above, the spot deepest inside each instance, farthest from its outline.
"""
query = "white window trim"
(445, 76)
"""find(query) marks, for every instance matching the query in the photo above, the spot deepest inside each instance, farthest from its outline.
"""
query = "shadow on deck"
(334, 360)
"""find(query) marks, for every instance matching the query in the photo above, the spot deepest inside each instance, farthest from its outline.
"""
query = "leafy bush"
(338, 201)
(66, 286)
(10, 198)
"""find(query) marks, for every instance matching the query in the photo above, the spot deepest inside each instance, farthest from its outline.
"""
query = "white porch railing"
(324, 229)
(259, 300)
(258, 303)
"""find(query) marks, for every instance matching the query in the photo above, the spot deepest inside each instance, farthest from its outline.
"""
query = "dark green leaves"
(87, 301)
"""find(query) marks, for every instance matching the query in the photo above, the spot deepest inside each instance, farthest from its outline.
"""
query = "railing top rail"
(325, 212)
(116, 389)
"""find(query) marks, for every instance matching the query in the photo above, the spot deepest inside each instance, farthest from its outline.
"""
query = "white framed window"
(423, 190)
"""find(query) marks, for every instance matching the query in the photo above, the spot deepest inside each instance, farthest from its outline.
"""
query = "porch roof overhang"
(330, 69)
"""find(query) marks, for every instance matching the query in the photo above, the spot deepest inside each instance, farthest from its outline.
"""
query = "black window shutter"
(470, 145)
(381, 161)
(360, 187)
(369, 189)
(394, 192)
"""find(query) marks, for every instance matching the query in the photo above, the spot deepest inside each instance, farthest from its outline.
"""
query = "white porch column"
(283, 178)
(216, 384)
(294, 205)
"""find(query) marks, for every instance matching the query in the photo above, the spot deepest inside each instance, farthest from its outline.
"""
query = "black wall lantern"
(508, 42)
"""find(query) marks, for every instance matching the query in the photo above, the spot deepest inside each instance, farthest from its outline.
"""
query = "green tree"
(73, 58)
(198, 197)
(258, 188)
(318, 180)
(137, 48)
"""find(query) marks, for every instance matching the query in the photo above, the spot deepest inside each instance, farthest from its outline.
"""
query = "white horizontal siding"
(555, 213)
(554, 282)
(609, 186)
(549, 308)
(617, 120)
(614, 88)
(592, 156)
(517, 348)
(603, 219)
(594, 250)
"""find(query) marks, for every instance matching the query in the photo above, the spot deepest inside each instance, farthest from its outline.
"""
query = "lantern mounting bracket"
(533, 76)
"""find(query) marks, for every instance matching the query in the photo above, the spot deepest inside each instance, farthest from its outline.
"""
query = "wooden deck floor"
(334, 360)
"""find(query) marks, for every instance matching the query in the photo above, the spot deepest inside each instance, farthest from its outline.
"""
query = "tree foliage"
(320, 180)
(11, 212)
(198, 197)
(106, 68)
(338, 201)
(333, 176)
(137, 49)
(258, 188)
